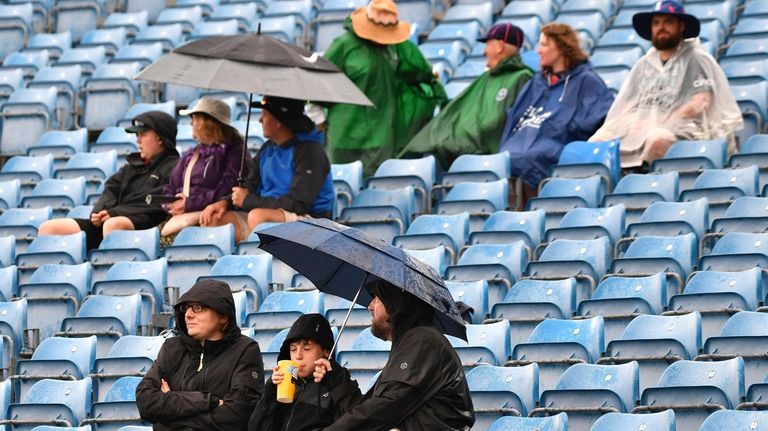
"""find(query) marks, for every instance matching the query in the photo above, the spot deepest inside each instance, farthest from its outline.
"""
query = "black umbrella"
(341, 260)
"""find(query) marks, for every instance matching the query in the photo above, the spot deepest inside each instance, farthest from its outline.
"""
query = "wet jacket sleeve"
(108, 198)
(382, 412)
(199, 200)
(310, 168)
(176, 180)
(201, 410)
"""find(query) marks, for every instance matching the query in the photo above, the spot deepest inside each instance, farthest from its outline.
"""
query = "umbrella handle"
(240, 179)
(341, 330)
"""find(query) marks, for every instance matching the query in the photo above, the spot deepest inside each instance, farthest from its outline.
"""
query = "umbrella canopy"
(257, 64)
(339, 260)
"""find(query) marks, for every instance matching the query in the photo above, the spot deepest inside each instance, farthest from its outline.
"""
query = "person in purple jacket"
(207, 172)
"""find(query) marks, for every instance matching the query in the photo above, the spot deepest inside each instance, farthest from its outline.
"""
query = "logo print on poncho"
(501, 95)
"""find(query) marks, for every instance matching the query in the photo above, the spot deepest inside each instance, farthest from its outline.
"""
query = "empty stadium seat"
(661, 421)
(57, 249)
(479, 200)
(509, 226)
(77, 17)
(148, 279)
(637, 192)
(124, 245)
(347, 183)
(22, 224)
(589, 223)
(558, 422)
(670, 219)
(431, 230)
(736, 251)
(502, 391)
(26, 115)
(722, 186)
(417, 173)
(61, 144)
(194, 251)
(676, 256)
(59, 194)
(250, 274)
(500, 265)
(486, 344)
(106, 317)
(280, 309)
(10, 194)
(559, 195)
(436, 257)
(382, 214)
(131, 355)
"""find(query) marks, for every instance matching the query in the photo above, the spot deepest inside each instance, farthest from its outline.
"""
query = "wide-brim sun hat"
(642, 21)
(214, 107)
(379, 22)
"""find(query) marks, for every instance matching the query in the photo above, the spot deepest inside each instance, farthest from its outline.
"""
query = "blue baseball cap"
(642, 21)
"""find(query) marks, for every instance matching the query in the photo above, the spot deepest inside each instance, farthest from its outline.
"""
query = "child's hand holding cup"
(284, 378)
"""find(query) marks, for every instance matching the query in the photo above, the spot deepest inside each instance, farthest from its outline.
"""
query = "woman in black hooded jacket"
(210, 375)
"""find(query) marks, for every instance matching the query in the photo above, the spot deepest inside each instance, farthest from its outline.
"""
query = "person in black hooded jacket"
(210, 375)
(324, 388)
(422, 385)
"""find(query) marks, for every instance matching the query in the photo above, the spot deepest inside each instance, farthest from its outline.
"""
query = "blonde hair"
(212, 130)
(567, 41)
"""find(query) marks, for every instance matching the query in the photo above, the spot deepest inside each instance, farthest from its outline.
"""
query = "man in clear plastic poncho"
(676, 91)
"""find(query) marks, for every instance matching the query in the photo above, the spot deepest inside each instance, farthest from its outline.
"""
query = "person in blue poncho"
(567, 101)
(290, 178)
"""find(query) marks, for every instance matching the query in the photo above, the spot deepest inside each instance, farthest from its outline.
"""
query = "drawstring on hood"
(565, 87)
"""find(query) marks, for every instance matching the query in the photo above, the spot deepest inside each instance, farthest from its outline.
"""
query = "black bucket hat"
(290, 112)
(162, 123)
(642, 21)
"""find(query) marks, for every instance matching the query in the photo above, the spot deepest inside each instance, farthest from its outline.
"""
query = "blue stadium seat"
(749, 26)
(746, 66)
(133, 21)
(557, 344)
(251, 245)
(690, 158)
(144, 53)
(543, 10)
(194, 251)
(745, 46)
(367, 356)
(347, 182)
(77, 17)
(508, 226)
(465, 32)
(110, 38)
(10, 79)
(581, 159)
(638, 191)
(654, 342)
(27, 114)
(500, 265)
(301, 9)
(255, 132)
(106, 317)
(207, 5)
(693, 389)
(559, 195)
(474, 295)
(671, 218)
(28, 61)
(613, 77)
(479, 200)
(10, 194)
(245, 13)
(108, 94)
(752, 96)
(117, 139)
(502, 391)
(170, 35)
(451, 53)
(54, 292)
(623, 37)
(140, 108)
(124, 245)
(88, 58)
(13, 321)
(15, 27)
(591, 24)
(661, 421)
(734, 419)
(717, 295)
(529, 302)
(486, 344)
(476, 168)
(606, 8)
(250, 274)
(418, 13)
(454, 88)
(336, 310)
(381, 213)
(145, 278)
(589, 223)
(229, 27)
(431, 230)
(22, 224)
(722, 186)
(736, 251)
(131, 355)
(55, 358)
(95, 168)
(57, 249)
(80, 211)
(586, 391)
(118, 409)
(55, 402)
(621, 299)
(482, 13)
(585, 260)
(59, 194)
(286, 28)
(188, 17)
(753, 152)
(7, 259)
(511, 423)
(436, 257)
(280, 309)
(745, 214)
(621, 58)
(55, 43)
(62, 144)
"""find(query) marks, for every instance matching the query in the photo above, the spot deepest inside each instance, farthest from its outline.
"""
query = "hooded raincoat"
(398, 80)
(316, 405)
(200, 375)
(472, 122)
(546, 117)
(662, 100)
(422, 386)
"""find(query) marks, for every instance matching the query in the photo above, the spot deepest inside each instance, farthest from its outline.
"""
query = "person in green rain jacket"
(374, 52)
(472, 123)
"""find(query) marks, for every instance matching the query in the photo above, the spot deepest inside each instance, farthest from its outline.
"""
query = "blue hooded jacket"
(544, 118)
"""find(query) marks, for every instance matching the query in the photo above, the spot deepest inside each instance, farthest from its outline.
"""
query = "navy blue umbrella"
(340, 260)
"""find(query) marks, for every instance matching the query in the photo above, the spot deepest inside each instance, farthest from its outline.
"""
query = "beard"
(381, 330)
(668, 42)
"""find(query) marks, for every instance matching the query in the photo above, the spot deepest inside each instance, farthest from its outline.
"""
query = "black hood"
(309, 326)
(405, 310)
(214, 294)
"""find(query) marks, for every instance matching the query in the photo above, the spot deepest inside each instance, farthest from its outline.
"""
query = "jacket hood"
(214, 294)
(309, 326)
(508, 65)
(405, 310)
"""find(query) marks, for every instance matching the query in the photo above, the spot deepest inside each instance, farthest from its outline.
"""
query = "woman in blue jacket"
(567, 101)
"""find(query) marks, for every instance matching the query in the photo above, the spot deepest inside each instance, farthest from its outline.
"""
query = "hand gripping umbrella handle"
(341, 330)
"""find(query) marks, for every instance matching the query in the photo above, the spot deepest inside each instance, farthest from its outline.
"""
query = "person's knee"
(117, 223)
(255, 217)
(58, 227)
(658, 148)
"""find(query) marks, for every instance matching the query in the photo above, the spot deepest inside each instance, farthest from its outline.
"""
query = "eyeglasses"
(196, 307)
